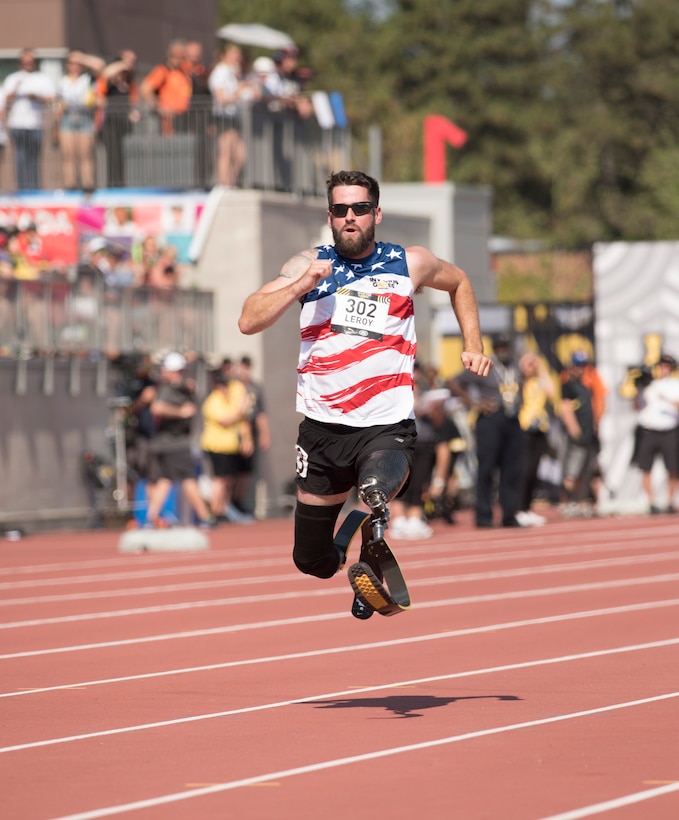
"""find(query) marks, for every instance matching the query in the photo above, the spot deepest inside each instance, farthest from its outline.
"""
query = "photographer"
(174, 408)
(138, 386)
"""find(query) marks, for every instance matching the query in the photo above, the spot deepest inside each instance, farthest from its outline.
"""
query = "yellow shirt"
(533, 415)
(223, 403)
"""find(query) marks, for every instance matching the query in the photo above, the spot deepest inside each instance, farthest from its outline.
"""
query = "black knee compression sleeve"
(314, 552)
(383, 472)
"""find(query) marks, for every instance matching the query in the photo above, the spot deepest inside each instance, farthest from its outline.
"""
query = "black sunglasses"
(359, 208)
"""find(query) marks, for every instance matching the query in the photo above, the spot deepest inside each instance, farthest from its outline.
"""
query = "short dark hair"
(354, 178)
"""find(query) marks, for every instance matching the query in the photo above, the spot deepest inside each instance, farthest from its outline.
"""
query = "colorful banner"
(40, 237)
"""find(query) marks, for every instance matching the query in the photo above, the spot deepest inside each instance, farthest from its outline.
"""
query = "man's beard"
(353, 245)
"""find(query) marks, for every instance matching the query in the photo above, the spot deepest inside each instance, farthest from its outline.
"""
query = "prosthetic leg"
(376, 578)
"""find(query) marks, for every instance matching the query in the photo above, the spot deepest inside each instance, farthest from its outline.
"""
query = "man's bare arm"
(427, 270)
(298, 276)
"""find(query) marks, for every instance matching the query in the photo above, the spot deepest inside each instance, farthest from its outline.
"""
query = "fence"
(135, 148)
(88, 318)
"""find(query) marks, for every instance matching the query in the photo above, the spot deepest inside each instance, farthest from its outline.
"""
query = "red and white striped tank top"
(358, 341)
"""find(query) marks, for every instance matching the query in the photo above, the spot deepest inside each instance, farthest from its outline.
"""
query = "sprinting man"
(355, 371)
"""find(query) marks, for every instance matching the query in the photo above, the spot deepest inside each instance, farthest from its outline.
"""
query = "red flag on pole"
(439, 132)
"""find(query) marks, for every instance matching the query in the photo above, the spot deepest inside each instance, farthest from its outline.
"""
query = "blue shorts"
(77, 121)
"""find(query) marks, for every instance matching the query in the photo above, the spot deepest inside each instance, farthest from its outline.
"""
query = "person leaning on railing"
(232, 88)
(116, 100)
(167, 90)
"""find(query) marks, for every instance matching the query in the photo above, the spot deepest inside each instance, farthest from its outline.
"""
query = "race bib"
(360, 314)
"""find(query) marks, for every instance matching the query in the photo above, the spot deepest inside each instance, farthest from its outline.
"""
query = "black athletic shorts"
(654, 443)
(329, 455)
(175, 466)
(224, 465)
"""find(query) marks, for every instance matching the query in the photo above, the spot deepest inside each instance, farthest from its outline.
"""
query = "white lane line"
(317, 593)
(604, 543)
(245, 710)
(126, 560)
(599, 563)
(617, 803)
(152, 572)
(338, 650)
(304, 619)
(354, 759)
(127, 592)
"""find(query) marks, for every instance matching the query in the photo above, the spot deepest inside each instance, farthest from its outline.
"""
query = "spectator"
(75, 119)
(201, 123)
(430, 469)
(497, 401)
(579, 456)
(264, 69)
(195, 69)
(286, 86)
(4, 136)
(104, 261)
(250, 469)
(171, 460)
(145, 255)
(659, 431)
(82, 330)
(231, 90)
(226, 438)
(138, 385)
(441, 500)
(538, 393)
(8, 289)
(290, 109)
(163, 271)
(27, 93)
(116, 99)
(167, 90)
(598, 390)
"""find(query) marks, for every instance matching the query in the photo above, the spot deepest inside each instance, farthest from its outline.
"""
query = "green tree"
(572, 108)
(612, 70)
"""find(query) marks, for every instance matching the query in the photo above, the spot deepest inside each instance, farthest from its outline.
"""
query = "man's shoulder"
(12, 78)
(158, 74)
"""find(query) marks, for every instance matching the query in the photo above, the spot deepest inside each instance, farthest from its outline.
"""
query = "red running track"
(536, 676)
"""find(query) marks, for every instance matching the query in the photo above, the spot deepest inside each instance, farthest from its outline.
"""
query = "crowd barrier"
(136, 148)
(88, 318)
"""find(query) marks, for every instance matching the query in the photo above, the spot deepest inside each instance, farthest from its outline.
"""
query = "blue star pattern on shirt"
(386, 258)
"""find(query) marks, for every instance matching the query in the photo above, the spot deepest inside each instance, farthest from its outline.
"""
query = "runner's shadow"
(401, 706)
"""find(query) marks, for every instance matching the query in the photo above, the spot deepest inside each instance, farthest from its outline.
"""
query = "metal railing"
(89, 319)
(132, 147)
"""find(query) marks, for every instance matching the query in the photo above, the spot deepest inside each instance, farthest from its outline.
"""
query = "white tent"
(255, 34)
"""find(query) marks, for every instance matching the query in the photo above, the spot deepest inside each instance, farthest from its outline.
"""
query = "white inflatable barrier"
(174, 539)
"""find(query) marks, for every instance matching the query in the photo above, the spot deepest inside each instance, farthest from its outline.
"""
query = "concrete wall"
(42, 438)
(461, 227)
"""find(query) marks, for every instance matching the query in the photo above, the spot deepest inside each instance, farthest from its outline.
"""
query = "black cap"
(666, 358)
